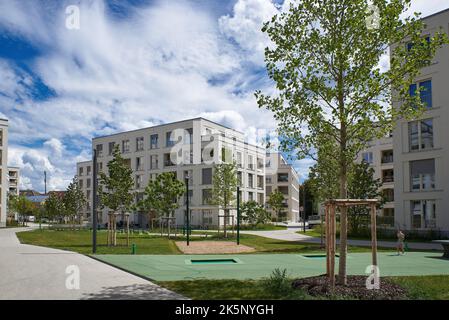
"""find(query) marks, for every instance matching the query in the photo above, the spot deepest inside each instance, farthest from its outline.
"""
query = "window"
(239, 160)
(100, 166)
(125, 146)
(420, 135)
(283, 190)
(89, 170)
(387, 176)
(423, 213)
(250, 181)
(167, 160)
(99, 150)
(260, 198)
(206, 176)
(111, 147)
(154, 141)
(268, 179)
(80, 172)
(239, 179)
(424, 90)
(153, 162)
(168, 141)
(422, 175)
(260, 182)
(189, 173)
(88, 183)
(282, 177)
(250, 162)
(250, 196)
(80, 183)
(388, 195)
(367, 157)
(153, 176)
(138, 181)
(207, 217)
(207, 196)
(139, 144)
(188, 136)
(190, 197)
(260, 164)
(387, 156)
(268, 190)
(139, 163)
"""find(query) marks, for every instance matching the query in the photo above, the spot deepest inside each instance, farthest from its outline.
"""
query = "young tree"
(325, 62)
(54, 207)
(254, 213)
(74, 200)
(114, 189)
(23, 207)
(362, 185)
(162, 195)
(275, 201)
(224, 188)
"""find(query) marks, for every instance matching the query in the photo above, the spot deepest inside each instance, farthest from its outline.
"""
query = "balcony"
(388, 176)
(387, 157)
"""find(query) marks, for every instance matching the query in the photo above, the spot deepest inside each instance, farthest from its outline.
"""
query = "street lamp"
(187, 177)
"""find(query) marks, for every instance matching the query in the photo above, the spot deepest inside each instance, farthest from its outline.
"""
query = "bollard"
(133, 248)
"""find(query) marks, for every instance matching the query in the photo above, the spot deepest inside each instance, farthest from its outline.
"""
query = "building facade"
(186, 148)
(4, 180)
(14, 180)
(379, 155)
(421, 159)
(283, 177)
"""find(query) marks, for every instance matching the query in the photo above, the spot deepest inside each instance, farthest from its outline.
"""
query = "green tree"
(114, 188)
(276, 202)
(362, 185)
(74, 200)
(254, 213)
(325, 62)
(22, 206)
(54, 207)
(224, 188)
(162, 195)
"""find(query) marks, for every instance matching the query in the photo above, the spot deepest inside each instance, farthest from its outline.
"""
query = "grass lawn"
(418, 287)
(81, 241)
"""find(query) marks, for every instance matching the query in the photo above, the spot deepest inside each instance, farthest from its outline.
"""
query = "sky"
(131, 64)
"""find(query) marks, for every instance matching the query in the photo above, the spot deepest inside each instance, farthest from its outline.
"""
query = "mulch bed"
(355, 289)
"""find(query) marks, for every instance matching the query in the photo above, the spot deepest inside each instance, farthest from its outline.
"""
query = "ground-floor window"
(423, 213)
(207, 217)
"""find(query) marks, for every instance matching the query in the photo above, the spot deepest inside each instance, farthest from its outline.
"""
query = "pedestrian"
(401, 238)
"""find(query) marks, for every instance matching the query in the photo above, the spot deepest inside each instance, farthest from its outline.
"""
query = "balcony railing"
(387, 159)
(388, 179)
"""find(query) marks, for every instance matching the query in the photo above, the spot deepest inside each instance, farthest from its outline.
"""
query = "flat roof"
(435, 14)
(166, 124)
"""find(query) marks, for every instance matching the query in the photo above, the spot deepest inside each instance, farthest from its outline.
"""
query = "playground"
(257, 266)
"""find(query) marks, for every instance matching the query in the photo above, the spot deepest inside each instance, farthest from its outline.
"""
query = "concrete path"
(291, 235)
(30, 272)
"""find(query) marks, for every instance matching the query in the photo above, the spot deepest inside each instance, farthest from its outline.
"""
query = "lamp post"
(187, 208)
(94, 202)
(238, 215)
(304, 207)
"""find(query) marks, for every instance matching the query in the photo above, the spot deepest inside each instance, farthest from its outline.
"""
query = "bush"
(278, 283)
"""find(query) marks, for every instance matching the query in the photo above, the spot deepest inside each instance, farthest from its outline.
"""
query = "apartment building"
(4, 181)
(421, 146)
(186, 148)
(283, 177)
(379, 155)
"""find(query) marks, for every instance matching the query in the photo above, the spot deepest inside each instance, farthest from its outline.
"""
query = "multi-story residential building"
(4, 182)
(187, 148)
(421, 146)
(283, 177)
(14, 176)
(379, 155)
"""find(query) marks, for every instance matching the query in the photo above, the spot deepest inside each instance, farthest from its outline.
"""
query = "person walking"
(401, 238)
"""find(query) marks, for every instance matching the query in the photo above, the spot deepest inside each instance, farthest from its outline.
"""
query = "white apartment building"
(282, 176)
(189, 147)
(422, 146)
(4, 181)
(379, 154)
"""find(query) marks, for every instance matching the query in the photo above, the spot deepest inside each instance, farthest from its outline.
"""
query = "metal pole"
(238, 215)
(304, 206)
(94, 203)
(45, 182)
(187, 209)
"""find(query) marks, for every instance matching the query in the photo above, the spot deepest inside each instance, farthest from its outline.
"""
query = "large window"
(423, 214)
(388, 195)
(387, 156)
(367, 157)
(139, 163)
(167, 160)
(139, 144)
(422, 174)
(168, 141)
(206, 176)
(282, 177)
(239, 160)
(424, 90)
(154, 162)
(387, 176)
(154, 141)
(125, 146)
(420, 134)
(207, 196)
(250, 180)
(111, 147)
(207, 217)
(99, 150)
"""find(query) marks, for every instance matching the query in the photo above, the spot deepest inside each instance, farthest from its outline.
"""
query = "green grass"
(81, 241)
(418, 287)
(228, 290)
(425, 287)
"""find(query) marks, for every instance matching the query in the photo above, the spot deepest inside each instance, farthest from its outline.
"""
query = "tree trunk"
(343, 209)
(225, 223)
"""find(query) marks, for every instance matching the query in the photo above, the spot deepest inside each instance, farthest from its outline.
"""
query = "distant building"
(282, 176)
(14, 176)
(28, 193)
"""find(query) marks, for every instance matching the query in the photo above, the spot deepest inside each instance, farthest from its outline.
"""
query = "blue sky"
(131, 64)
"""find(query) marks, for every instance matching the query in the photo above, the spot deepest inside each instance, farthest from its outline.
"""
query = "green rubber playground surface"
(256, 266)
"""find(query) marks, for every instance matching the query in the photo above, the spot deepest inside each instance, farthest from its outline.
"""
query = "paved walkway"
(291, 235)
(30, 272)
